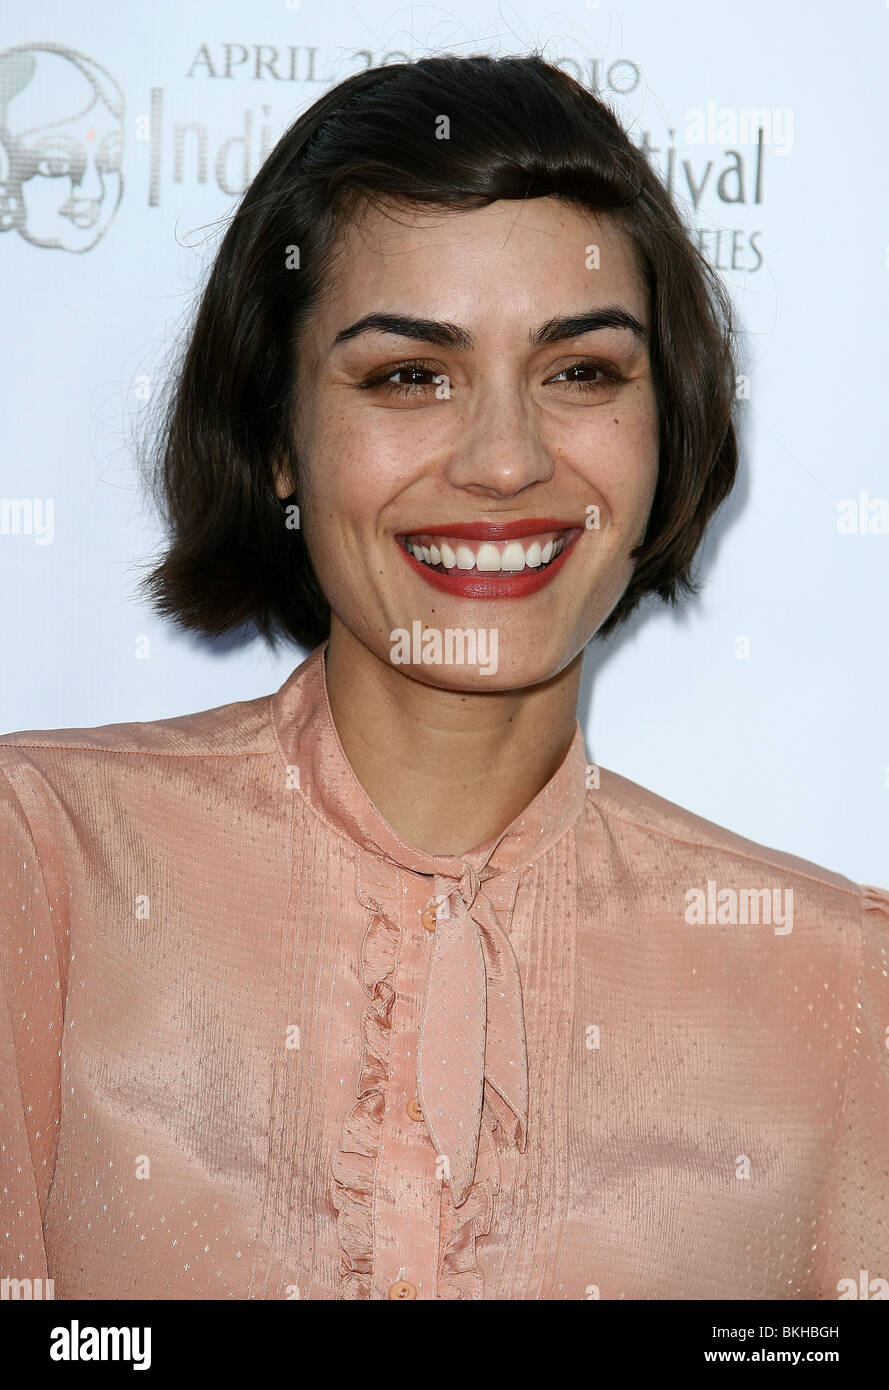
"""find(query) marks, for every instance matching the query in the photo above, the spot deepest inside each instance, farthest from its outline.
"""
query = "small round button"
(402, 1290)
(429, 916)
(413, 1109)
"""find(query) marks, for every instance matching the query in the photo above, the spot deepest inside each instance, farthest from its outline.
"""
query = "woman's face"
(515, 455)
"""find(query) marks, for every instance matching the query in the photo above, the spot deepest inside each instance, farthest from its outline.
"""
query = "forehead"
(534, 257)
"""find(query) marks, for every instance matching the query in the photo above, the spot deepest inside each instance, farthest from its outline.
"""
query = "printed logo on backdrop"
(62, 119)
(61, 145)
(714, 171)
(715, 168)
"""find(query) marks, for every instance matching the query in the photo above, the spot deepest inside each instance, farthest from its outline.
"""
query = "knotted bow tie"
(472, 1028)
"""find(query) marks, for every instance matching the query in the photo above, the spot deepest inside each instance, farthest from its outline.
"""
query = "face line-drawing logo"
(61, 146)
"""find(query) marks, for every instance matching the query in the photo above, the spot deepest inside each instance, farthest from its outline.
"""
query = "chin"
(481, 661)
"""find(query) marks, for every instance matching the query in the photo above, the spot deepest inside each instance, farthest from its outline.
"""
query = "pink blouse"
(253, 1045)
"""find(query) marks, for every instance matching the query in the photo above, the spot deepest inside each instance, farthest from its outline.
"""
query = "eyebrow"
(451, 335)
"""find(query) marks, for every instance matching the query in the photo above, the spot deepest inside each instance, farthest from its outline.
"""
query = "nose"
(500, 452)
(89, 186)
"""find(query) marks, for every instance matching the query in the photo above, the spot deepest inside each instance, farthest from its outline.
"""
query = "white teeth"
(488, 559)
(513, 557)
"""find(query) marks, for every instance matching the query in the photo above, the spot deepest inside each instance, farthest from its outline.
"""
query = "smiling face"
(490, 465)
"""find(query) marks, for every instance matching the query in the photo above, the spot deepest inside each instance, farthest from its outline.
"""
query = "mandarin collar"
(309, 742)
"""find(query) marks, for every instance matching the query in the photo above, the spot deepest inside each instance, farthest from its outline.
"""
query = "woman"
(376, 988)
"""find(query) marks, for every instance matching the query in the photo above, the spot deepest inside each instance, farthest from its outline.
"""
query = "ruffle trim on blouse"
(459, 1275)
(353, 1167)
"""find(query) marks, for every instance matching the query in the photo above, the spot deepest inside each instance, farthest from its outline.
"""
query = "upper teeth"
(487, 556)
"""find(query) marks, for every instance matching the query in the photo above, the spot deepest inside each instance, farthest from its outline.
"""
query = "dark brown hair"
(519, 128)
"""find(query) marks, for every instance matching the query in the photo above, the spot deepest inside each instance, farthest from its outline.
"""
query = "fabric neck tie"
(472, 1028)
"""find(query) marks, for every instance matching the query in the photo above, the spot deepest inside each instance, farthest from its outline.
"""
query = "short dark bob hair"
(519, 128)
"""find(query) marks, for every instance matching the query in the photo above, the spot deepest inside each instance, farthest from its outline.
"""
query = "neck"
(448, 769)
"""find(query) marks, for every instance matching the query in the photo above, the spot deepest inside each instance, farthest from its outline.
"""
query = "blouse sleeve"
(856, 1249)
(31, 1014)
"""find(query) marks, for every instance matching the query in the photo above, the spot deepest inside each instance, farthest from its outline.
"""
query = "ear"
(283, 483)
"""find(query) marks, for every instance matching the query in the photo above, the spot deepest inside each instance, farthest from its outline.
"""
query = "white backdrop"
(765, 705)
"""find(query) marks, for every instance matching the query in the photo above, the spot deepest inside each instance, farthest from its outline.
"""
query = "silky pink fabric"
(252, 1045)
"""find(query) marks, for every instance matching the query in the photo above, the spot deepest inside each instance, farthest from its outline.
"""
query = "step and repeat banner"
(127, 137)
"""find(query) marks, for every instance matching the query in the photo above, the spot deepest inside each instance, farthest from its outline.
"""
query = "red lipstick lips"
(493, 584)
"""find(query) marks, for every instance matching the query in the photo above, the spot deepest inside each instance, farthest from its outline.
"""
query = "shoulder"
(57, 775)
(675, 877)
(679, 846)
(231, 730)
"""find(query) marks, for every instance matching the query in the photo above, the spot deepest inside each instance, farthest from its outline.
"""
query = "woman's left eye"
(607, 377)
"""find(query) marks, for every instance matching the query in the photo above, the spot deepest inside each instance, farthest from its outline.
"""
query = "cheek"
(629, 478)
(358, 473)
(622, 487)
(345, 487)
(334, 482)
